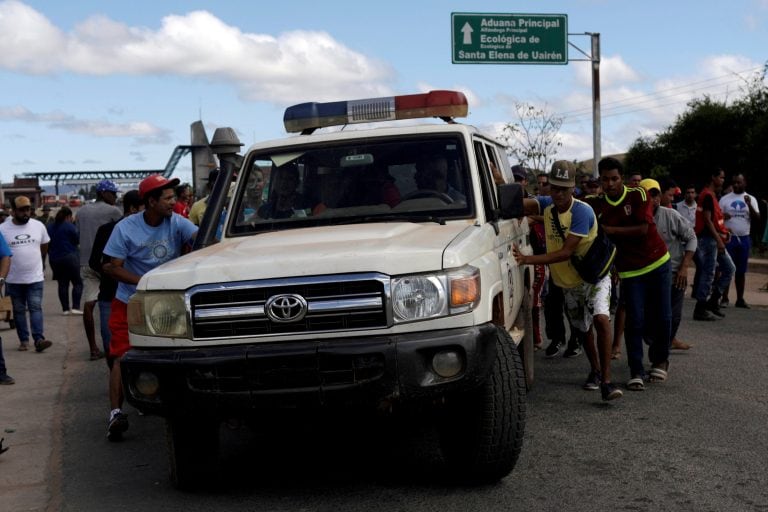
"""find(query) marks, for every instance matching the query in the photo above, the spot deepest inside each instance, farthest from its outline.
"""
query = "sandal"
(95, 356)
(659, 373)
(636, 383)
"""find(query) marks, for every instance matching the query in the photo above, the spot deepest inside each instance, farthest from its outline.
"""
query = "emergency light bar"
(307, 117)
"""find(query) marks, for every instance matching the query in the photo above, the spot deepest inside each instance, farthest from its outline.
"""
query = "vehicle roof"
(376, 132)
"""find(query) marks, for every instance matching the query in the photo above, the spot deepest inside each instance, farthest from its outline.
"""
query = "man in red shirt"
(642, 261)
(710, 252)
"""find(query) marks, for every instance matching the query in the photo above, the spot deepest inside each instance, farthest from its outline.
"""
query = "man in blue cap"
(88, 220)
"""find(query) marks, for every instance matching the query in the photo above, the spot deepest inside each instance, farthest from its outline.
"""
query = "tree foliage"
(533, 139)
(711, 134)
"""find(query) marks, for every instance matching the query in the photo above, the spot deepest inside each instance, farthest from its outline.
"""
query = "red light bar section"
(307, 117)
(431, 104)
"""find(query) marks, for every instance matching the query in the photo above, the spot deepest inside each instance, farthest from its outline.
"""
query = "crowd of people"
(97, 256)
(656, 240)
(658, 230)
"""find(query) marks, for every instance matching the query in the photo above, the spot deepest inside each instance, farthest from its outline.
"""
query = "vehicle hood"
(390, 248)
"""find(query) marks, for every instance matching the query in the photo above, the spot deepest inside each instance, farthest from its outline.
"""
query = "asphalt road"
(697, 442)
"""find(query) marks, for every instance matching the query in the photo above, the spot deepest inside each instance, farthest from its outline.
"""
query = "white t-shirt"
(25, 241)
(735, 205)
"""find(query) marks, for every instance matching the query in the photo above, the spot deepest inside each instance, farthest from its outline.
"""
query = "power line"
(686, 88)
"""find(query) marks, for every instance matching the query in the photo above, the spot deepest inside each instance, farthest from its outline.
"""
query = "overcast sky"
(91, 85)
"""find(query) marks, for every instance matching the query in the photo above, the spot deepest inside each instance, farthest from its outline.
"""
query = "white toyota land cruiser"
(373, 270)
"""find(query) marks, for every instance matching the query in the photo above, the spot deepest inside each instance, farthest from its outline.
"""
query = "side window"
(486, 181)
(502, 172)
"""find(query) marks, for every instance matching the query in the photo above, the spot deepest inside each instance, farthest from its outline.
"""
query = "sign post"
(509, 38)
(494, 38)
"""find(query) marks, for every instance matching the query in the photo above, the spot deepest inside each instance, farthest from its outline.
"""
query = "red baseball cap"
(154, 182)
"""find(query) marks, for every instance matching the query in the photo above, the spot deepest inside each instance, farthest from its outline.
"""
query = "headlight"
(418, 297)
(421, 297)
(158, 314)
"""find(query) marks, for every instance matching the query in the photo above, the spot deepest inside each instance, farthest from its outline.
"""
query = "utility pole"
(594, 58)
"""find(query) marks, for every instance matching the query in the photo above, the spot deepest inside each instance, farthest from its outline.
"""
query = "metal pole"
(596, 150)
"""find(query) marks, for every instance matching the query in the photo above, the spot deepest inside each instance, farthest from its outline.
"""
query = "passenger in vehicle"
(334, 189)
(432, 174)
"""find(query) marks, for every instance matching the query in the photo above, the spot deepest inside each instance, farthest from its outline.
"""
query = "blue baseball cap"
(107, 186)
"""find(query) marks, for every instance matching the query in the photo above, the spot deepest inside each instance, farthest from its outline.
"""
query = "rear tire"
(193, 449)
(481, 434)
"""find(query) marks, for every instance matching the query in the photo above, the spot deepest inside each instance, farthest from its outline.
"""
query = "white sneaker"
(75, 312)
(66, 313)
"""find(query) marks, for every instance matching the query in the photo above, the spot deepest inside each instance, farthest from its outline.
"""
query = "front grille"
(296, 372)
(239, 309)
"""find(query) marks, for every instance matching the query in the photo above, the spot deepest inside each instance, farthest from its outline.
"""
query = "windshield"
(355, 181)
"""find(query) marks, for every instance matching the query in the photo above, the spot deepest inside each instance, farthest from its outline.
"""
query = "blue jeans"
(3, 370)
(27, 297)
(648, 299)
(707, 259)
(678, 295)
(105, 308)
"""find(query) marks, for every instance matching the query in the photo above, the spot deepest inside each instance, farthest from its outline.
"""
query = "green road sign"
(492, 38)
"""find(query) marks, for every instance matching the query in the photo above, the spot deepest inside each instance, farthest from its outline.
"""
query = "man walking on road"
(739, 210)
(642, 261)
(570, 229)
(138, 244)
(678, 234)
(710, 252)
(28, 240)
(88, 220)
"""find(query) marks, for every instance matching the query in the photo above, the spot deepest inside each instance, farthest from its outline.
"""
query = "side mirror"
(511, 201)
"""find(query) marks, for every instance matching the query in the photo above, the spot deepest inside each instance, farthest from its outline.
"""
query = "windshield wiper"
(400, 218)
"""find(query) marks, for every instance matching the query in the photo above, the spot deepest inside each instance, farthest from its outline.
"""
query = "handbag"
(597, 261)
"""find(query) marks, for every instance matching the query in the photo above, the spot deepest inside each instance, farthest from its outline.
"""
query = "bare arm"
(117, 271)
(5, 266)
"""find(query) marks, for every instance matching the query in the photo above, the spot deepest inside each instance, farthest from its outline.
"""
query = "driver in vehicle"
(432, 175)
(284, 197)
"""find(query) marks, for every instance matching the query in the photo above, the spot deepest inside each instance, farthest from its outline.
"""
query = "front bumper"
(374, 371)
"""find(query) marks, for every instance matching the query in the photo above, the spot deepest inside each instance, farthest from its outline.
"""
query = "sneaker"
(66, 313)
(742, 304)
(724, 303)
(76, 312)
(118, 424)
(700, 313)
(572, 352)
(593, 381)
(41, 345)
(6, 380)
(553, 349)
(609, 391)
(714, 308)
(23, 346)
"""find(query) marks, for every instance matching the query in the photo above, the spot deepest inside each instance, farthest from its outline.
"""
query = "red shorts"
(118, 328)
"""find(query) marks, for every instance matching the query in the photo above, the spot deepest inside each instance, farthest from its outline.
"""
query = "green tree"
(711, 134)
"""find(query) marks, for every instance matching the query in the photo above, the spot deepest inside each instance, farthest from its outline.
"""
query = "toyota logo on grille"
(286, 308)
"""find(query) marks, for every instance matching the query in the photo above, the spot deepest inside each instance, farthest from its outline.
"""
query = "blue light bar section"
(314, 115)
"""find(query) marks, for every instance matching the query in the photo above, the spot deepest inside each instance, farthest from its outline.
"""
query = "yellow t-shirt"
(197, 210)
(582, 219)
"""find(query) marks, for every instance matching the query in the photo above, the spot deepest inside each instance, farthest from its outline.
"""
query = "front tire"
(482, 431)
(193, 449)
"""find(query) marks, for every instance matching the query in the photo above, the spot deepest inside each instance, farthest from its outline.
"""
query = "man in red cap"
(138, 244)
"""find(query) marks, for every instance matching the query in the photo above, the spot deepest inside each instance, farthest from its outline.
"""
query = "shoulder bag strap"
(557, 222)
